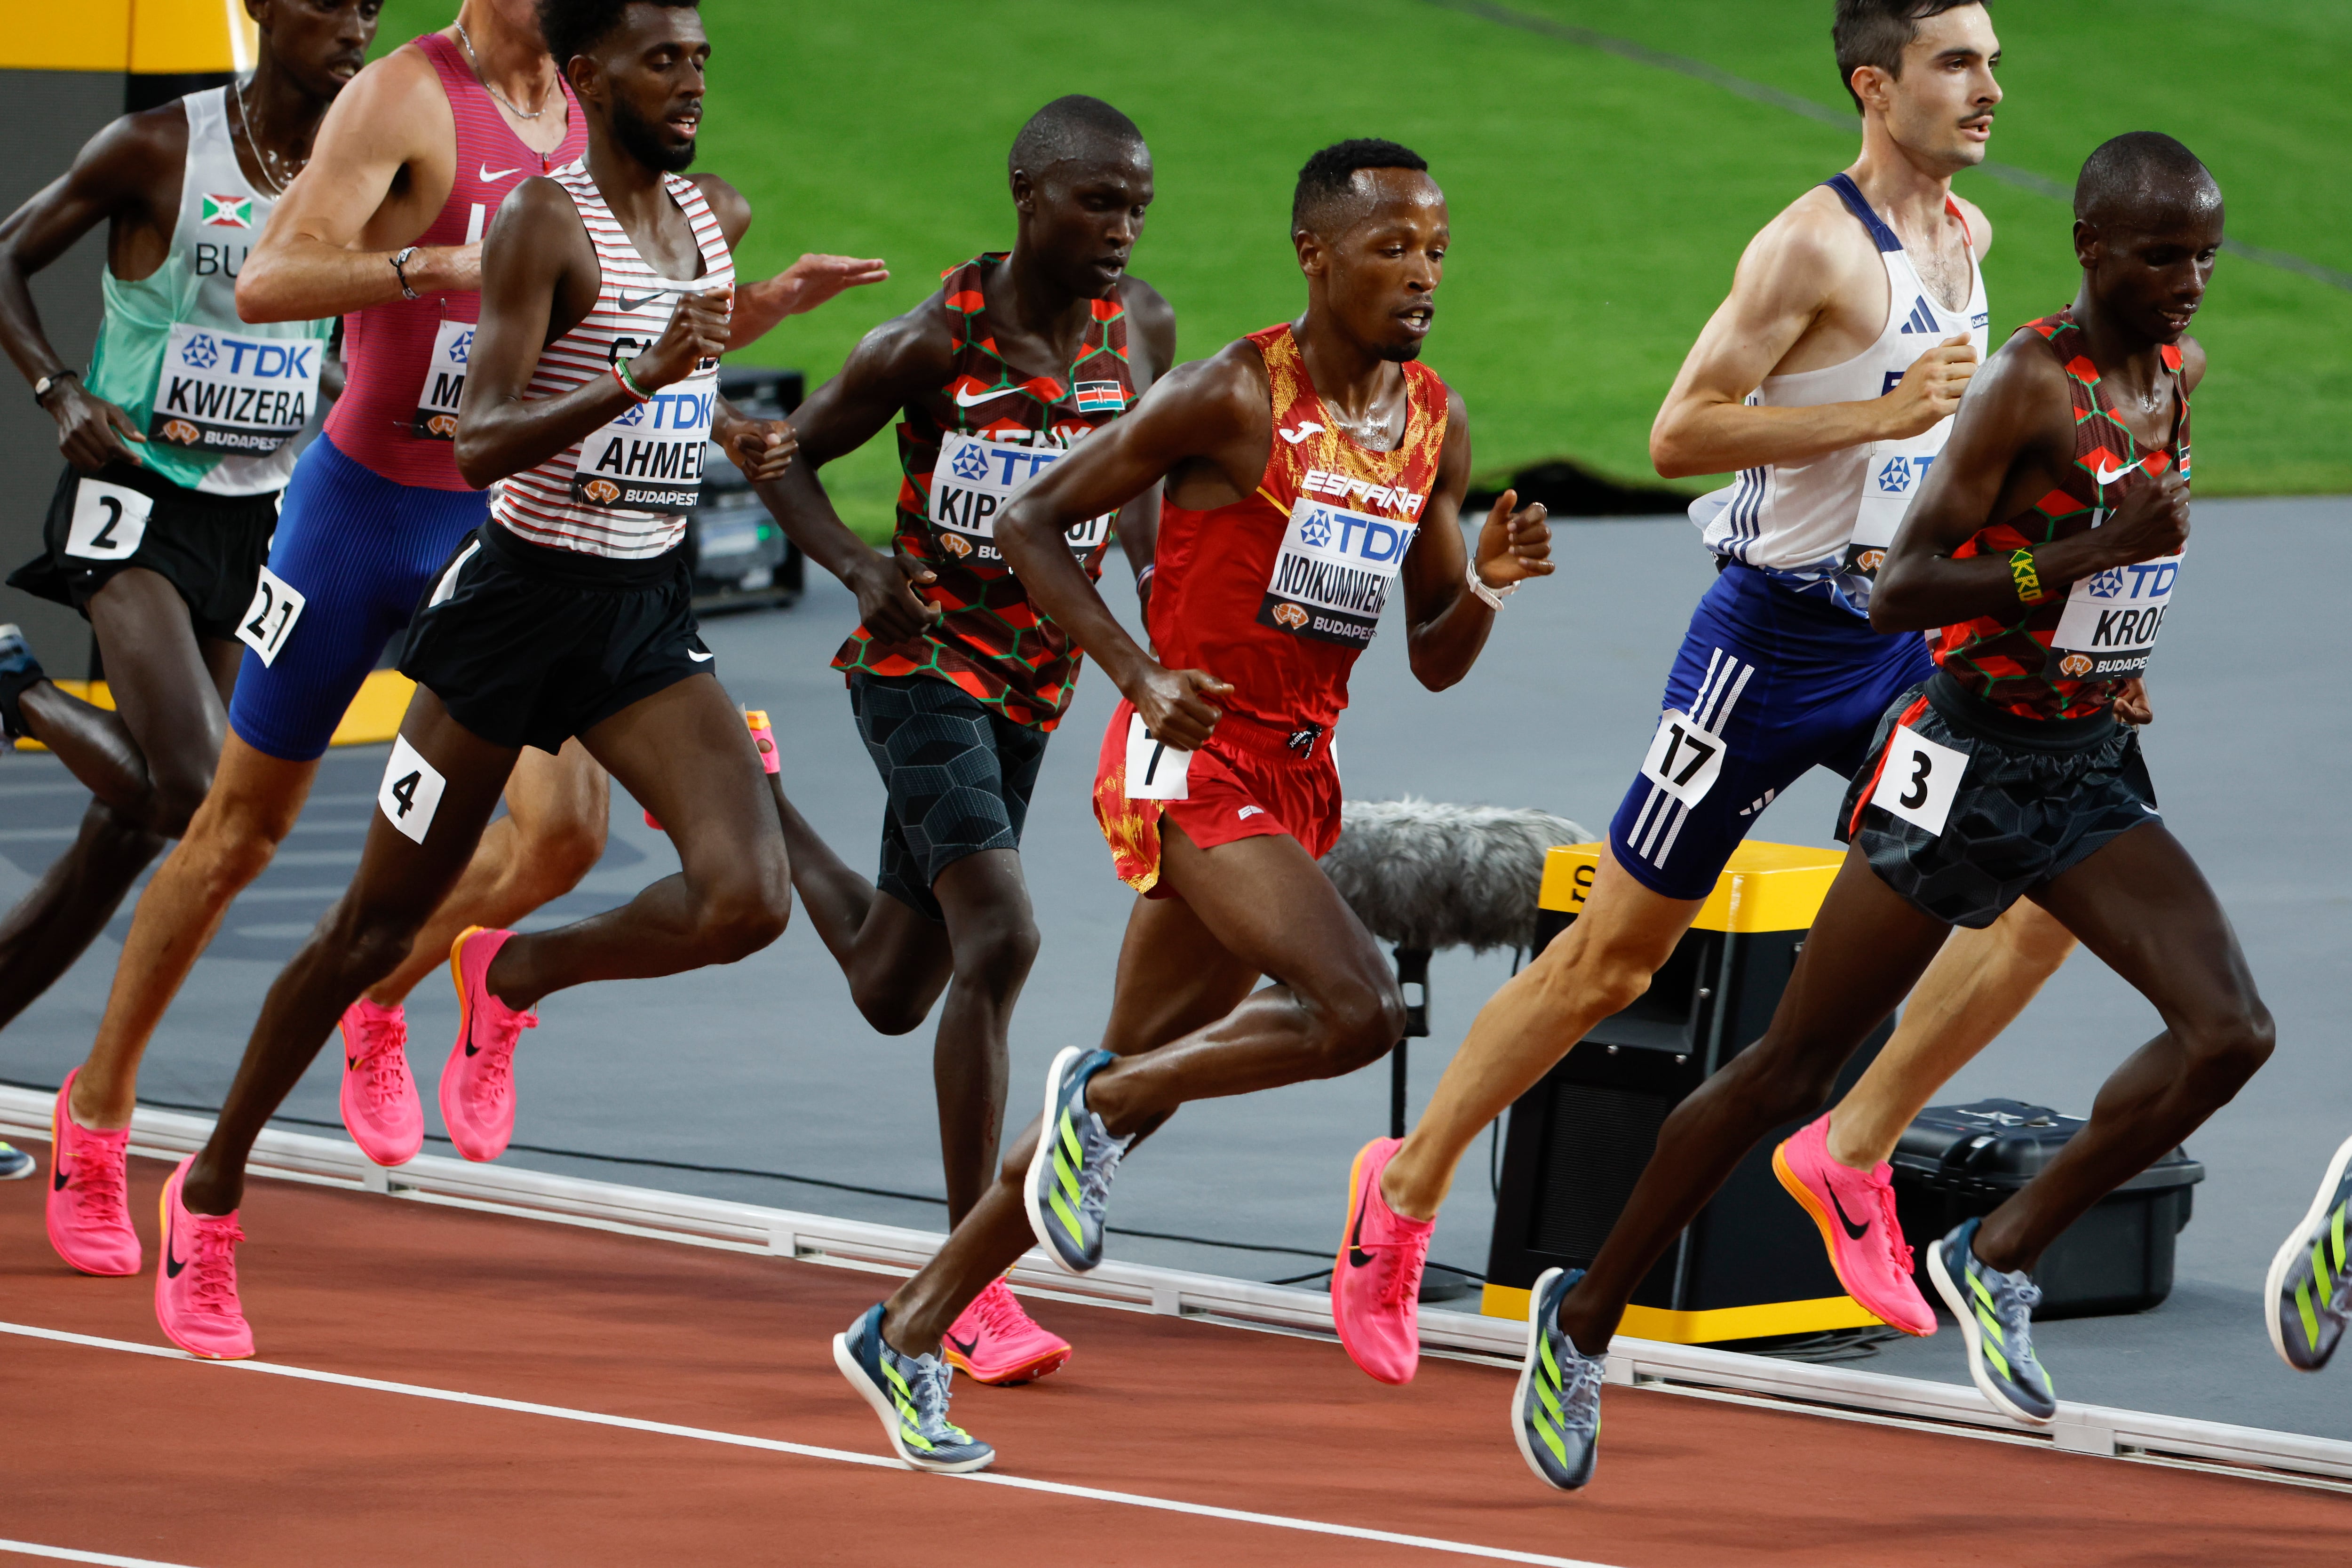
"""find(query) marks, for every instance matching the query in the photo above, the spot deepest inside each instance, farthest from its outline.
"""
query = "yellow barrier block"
(1767, 887)
(182, 35)
(151, 35)
(373, 716)
(94, 36)
(1711, 1327)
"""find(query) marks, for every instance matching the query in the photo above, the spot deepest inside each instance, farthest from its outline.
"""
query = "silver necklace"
(476, 61)
(261, 156)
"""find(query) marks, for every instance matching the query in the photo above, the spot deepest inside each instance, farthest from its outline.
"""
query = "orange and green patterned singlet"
(964, 449)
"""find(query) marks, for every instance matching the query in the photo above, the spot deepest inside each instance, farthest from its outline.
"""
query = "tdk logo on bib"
(1896, 474)
(2110, 621)
(1332, 576)
(217, 392)
(976, 480)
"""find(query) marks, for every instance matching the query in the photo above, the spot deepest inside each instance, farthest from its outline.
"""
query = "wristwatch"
(48, 383)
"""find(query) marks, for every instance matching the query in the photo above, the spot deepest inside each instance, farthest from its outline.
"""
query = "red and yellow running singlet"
(964, 449)
(2064, 658)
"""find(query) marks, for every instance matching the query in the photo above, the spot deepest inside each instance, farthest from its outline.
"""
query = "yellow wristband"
(2029, 582)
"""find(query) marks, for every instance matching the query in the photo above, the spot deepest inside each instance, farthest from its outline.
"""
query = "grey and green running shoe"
(1996, 1314)
(18, 669)
(1556, 1412)
(15, 1163)
(2307, 1296)
(1069, 1175)
(909, 1393)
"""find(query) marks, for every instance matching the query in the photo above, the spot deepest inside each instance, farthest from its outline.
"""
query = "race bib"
(650, 457)
(2108, 629)
(1684, 759)
(1155, 770)
(1897, 471)
(1919, 779)
(269, 620)
(445, 382)
(219, 393)
(411, 791)
(1332, 575)
(109, 521)
(976, 480)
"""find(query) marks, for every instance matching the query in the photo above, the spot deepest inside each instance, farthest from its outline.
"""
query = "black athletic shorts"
(209, 548)
(957, 773)
(526, 645)
(2034, 799)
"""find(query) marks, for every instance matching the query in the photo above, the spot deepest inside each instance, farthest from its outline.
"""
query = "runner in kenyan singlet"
(963, 451)
(1276, 593)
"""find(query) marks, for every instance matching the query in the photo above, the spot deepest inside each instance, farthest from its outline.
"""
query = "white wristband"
(1491, 598)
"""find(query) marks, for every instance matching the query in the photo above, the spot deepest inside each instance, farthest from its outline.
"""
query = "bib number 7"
(1155, 770)
(1919, 780)
(1684, 759)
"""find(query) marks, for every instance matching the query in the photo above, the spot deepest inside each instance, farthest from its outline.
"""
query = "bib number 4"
(411, 792)
(269, 620)
(1684, 759)
(1919, 780)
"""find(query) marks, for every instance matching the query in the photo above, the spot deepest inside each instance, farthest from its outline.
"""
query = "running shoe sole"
(1822, 1223)
(844, 1359)
(1036, 1367)
(2296, 1240)
(1527, 1372)
(1042, 1160)
(1956, 1297)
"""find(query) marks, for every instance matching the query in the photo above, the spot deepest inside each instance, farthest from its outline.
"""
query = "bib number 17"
(1684, 759)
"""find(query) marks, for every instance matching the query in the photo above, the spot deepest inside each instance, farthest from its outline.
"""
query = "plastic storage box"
(1955, 1161)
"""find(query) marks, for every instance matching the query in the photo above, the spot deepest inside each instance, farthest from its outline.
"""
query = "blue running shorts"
(1768, 683)
(360, 551)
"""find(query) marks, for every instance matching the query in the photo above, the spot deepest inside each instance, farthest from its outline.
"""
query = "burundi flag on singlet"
(228, 212)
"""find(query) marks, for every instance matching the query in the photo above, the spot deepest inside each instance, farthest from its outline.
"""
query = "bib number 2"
(1684, 759)
(108, 522)
(1919, 780)
(269, 620)
(1155, 770)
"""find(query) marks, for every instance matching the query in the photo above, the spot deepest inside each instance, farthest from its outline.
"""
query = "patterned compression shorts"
(2033, 800)
(959, 775)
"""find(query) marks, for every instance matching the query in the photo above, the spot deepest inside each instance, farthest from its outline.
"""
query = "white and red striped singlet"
(623, 492)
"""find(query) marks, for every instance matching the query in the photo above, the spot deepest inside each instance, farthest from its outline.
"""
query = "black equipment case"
(1958, 1160)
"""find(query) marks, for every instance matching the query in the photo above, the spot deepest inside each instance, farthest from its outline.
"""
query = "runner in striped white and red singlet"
(606, 296)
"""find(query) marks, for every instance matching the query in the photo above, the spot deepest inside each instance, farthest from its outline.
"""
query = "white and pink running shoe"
(995, 1342)
(381, 1108)
(89, 1210)
(1376, 1283)
(478, 1098)
(1855, 1211)
(195, 1288)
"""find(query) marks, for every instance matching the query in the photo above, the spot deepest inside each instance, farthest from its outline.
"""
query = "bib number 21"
(1919, 780)
(269, 620)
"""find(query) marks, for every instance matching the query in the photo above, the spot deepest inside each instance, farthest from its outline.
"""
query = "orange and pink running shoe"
(995, 1342)
(478, 1098)
(1376, 1283)
(88, 1209)
(381, 1109)
(1855, 1213)
(195, 1289)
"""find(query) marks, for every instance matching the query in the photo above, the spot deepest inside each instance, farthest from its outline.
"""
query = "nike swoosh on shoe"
(1854, 1232)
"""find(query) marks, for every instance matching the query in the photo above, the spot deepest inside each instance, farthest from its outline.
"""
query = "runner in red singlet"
(1309, 469)
(2046, 542)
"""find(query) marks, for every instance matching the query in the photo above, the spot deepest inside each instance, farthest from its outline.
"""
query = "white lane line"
(67, 1554)
(802, 1450)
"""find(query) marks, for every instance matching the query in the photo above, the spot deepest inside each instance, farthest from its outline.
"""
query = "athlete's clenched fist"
(763, 448)
(1931, 390)
(696, 331)
(1514, 545)
(2151, 523)
(1175, 707)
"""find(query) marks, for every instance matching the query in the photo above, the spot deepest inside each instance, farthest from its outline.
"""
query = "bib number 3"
(1684, 760)
(1155, 770)
(411, 792)
(1919, 780)
(269, 620)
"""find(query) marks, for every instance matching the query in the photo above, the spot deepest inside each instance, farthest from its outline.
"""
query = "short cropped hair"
(575, 26)
(1876, 32)
(1328, 178)
(1070, 127)
(2140, 167)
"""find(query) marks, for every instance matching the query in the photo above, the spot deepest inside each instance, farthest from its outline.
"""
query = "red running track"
(164, 1459)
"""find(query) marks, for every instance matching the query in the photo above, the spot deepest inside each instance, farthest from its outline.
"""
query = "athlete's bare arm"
(383, 165)
(798, 290)
(1206, 430)
(128, 176)
(2011, 445)
(1446, 624)
(539, 278)
(1812, 274)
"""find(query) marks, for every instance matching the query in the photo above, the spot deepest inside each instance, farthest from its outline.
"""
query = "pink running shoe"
(89, 1214)
(1376, 1283)
(1855, 1213)
(477, 1086)
(381, 1109)
(995, 1342)
(196, 1290)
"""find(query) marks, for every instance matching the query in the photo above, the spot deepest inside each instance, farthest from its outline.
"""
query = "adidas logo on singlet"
(1922, 320)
